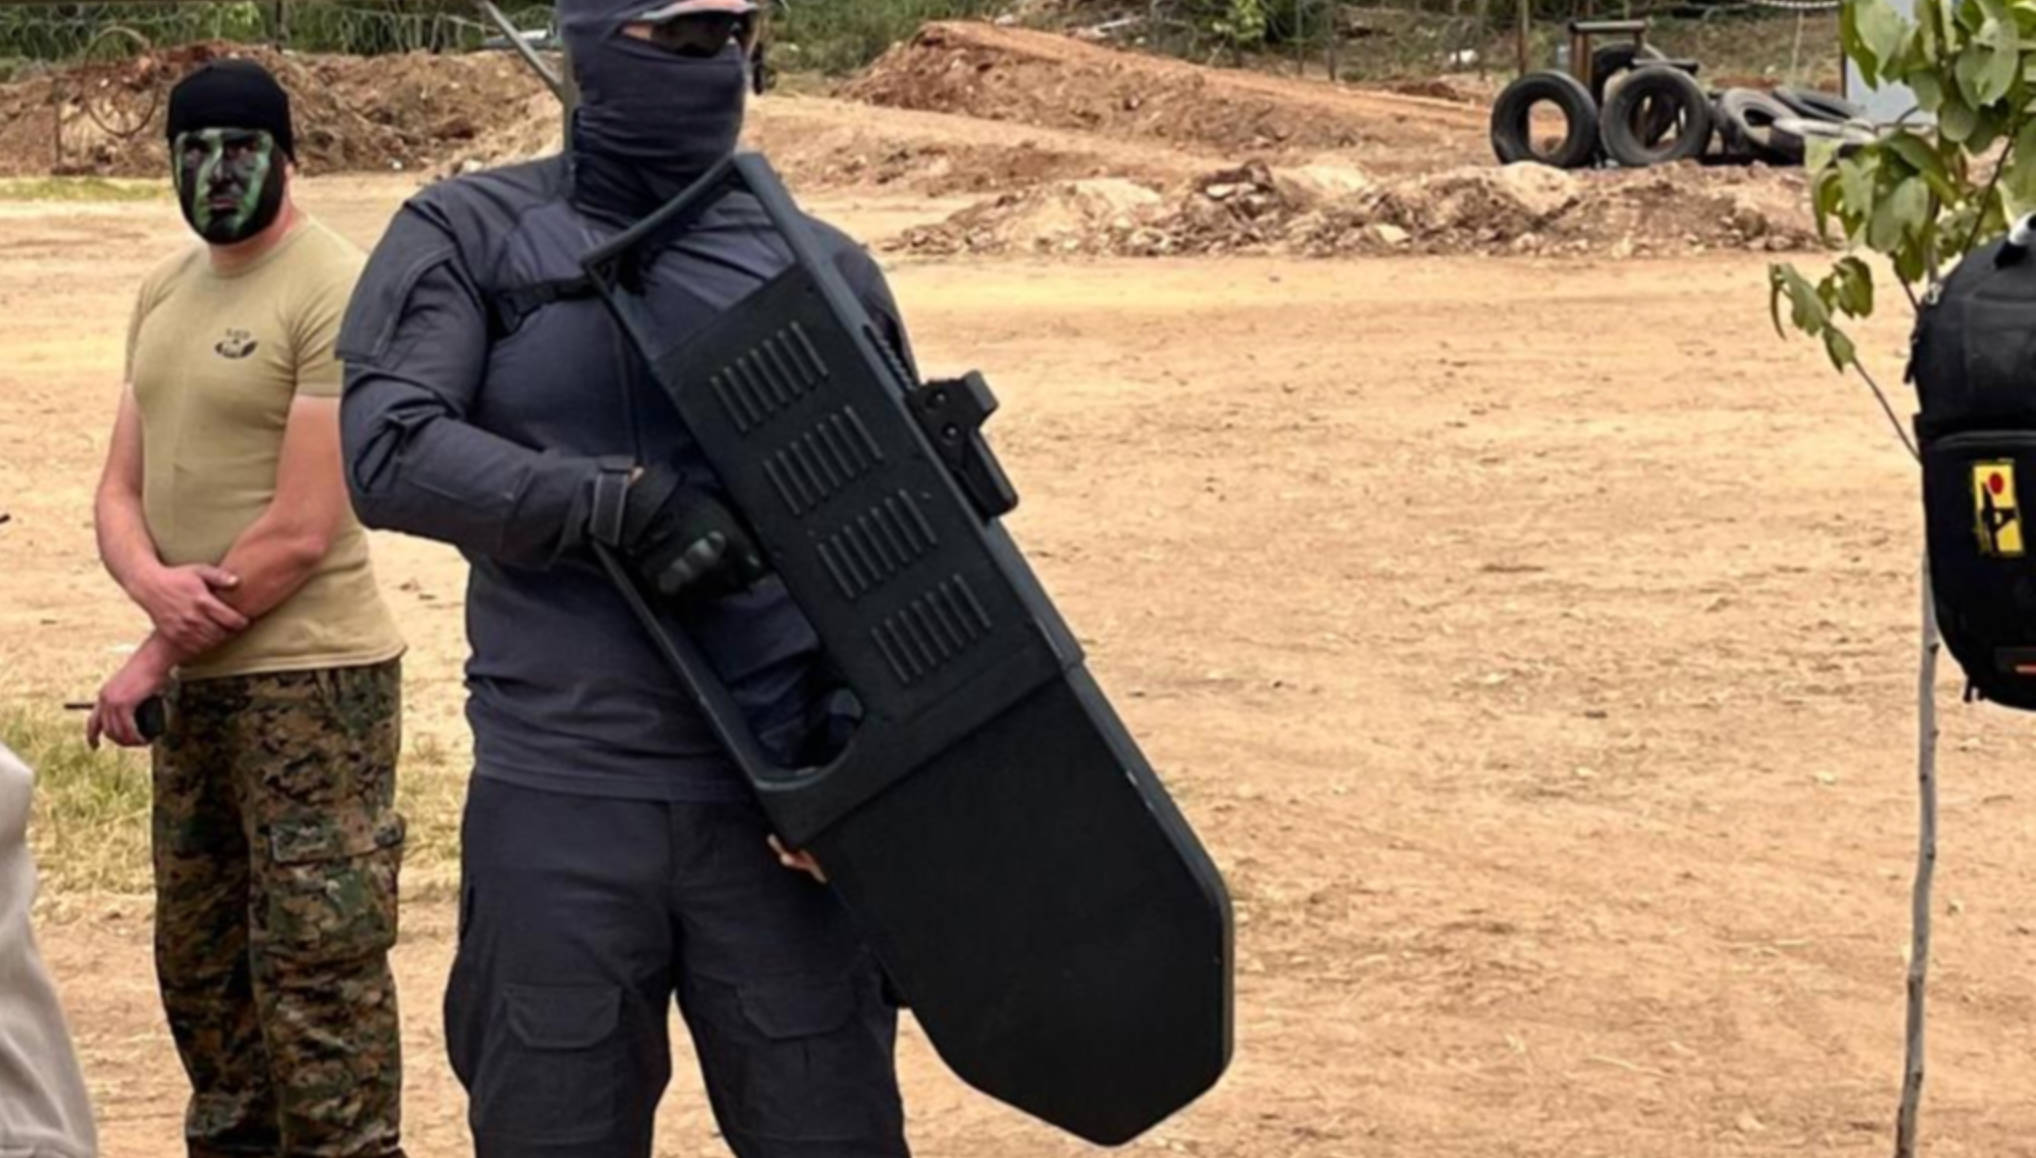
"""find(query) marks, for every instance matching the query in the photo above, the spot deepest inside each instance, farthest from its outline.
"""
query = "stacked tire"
(1776, 128)
(1513, 137)
(1648, 111)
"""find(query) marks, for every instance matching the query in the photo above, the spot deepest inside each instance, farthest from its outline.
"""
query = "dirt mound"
(353, 113)
(535, 128)
(1010, 74)
(1326, 211)
(819, 142)
(822, 143)
(1060, 217)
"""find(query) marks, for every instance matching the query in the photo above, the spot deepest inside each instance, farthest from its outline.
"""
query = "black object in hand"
(151, 718)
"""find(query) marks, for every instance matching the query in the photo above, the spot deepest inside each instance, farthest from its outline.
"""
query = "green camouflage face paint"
(228, 182)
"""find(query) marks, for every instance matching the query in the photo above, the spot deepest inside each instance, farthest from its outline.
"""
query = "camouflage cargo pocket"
(331, 888)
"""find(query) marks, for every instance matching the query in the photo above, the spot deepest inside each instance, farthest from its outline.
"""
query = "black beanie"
(232, 94)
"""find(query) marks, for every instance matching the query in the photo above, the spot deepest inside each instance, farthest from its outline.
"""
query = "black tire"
(1818, 106)
(1752, 124)
(1637, 129)
(1512, 121)
(1613, 59)
(1732, 147)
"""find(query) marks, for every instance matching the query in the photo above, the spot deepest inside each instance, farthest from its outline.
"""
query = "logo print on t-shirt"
(236, 344)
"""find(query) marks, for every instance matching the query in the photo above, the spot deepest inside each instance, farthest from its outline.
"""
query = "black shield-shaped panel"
(1030, 888)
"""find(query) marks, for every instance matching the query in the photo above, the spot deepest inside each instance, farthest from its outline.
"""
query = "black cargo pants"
(580, 917)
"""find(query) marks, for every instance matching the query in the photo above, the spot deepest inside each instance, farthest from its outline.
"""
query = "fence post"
(1334, 31)
(279, 22)
(1301, 39)
(1526, 31)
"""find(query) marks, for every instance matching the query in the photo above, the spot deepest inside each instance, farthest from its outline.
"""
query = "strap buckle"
(611, 499)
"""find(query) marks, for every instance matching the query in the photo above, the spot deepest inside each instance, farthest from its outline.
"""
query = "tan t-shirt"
(216, 361)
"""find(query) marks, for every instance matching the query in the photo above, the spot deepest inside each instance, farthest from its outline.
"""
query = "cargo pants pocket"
(330, 889)
(549, 1069)
(806, 1060)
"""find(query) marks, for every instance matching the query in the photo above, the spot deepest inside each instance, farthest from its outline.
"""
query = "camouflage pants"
(277, 845)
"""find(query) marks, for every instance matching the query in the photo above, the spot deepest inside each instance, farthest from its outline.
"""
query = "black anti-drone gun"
(1025, 880)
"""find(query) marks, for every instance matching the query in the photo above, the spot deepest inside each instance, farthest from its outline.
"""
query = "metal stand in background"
(559, 81)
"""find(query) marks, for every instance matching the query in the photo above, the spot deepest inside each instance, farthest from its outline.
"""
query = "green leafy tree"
(1241, 23)
(1926, 193)
(1920, 198)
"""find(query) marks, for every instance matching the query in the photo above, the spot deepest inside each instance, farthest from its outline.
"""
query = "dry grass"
(90, 826)
(83, 189)
(431, 790)
(90, 823)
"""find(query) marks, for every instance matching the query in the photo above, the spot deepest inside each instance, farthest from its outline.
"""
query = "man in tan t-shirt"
(224, 515)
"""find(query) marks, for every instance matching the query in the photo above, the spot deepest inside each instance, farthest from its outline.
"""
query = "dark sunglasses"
(706, 33)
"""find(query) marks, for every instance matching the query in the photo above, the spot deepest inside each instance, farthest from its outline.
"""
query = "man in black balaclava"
(231, 140)
(612, 857)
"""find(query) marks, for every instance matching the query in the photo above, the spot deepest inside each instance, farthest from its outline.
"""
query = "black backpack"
(1973, 362)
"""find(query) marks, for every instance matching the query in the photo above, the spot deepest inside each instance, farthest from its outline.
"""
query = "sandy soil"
(1531, 642)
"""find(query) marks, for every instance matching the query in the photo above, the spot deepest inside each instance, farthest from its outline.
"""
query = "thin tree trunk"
(1926, 864)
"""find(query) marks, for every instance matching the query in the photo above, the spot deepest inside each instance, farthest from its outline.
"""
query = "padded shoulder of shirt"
(478, 215)
(484, 208)
(849, 254)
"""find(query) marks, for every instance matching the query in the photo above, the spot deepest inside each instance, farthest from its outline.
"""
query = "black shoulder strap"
(510, 307)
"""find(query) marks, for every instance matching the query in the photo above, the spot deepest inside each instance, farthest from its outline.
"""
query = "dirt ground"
(1530, 639)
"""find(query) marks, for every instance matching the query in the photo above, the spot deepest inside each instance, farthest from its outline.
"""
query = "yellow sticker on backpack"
(1994, 506)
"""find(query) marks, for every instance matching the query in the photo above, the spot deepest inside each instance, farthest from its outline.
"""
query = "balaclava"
(650, 121)
(230, 135)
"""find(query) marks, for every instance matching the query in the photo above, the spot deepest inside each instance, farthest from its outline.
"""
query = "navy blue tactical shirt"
(473, 417)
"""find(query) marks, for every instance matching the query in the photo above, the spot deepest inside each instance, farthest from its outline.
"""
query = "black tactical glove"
(682, 541)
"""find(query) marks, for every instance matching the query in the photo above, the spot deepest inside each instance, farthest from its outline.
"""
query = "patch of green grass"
(90, 824)
(82, 189)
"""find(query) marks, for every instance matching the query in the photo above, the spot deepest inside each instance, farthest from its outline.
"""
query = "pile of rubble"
(1326, 210)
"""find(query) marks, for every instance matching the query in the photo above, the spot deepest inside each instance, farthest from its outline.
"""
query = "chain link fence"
(91, 78)
(101, 69)
(36, 35)
(834, 36)
(1382, 39)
